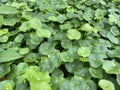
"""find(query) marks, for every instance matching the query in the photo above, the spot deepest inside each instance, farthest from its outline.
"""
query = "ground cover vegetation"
(59, 44)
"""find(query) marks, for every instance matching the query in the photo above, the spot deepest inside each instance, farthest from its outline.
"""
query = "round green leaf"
(35, 23)
(66, 57)
(46, 48)
(84, 51)
(111, 67)
(43, 33)
(87, 27)
(96, 72)
(106, 85)
(73, 34)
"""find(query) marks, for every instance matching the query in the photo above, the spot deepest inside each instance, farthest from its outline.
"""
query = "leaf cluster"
(59, 44)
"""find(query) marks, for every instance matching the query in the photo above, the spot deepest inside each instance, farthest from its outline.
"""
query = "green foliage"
(5, 9)
(106, 85)
(9, 55)
(59, 44)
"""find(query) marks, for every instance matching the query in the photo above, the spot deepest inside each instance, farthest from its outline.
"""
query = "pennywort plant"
(59, 44)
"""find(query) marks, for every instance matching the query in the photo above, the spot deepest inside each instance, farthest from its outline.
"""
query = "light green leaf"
(65, 26)
(84, 59)
(3, 32)
(35, 39)
(6, 85)
(70, 9)
(25, 26)
(52, 18)
(32, 1)
(111, 67)
(73, 34)
(102, 2)
(61, 18)
(43, 33)
(38, 80)
(99, 14)
(35, 23)
(5, 9)
(24, 51)
(40, 86)
(84, 51)
(97, 29)
(1, 20)
(106, 85)
(112, 18)
(96, 72)
(87, 27)
(4, 38)
(19, 38)
(9, 55)
(11, 21)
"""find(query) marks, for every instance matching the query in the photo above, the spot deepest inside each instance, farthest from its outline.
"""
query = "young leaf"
(4, 38)
(52, 18)
(6, 85)
(35, 23)
(99, 14)
(84, 51)
(25, 26)
(106, 85)
(24, 51)
(43, 33)
(111, 67)
(73, 34)
(87, 27)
